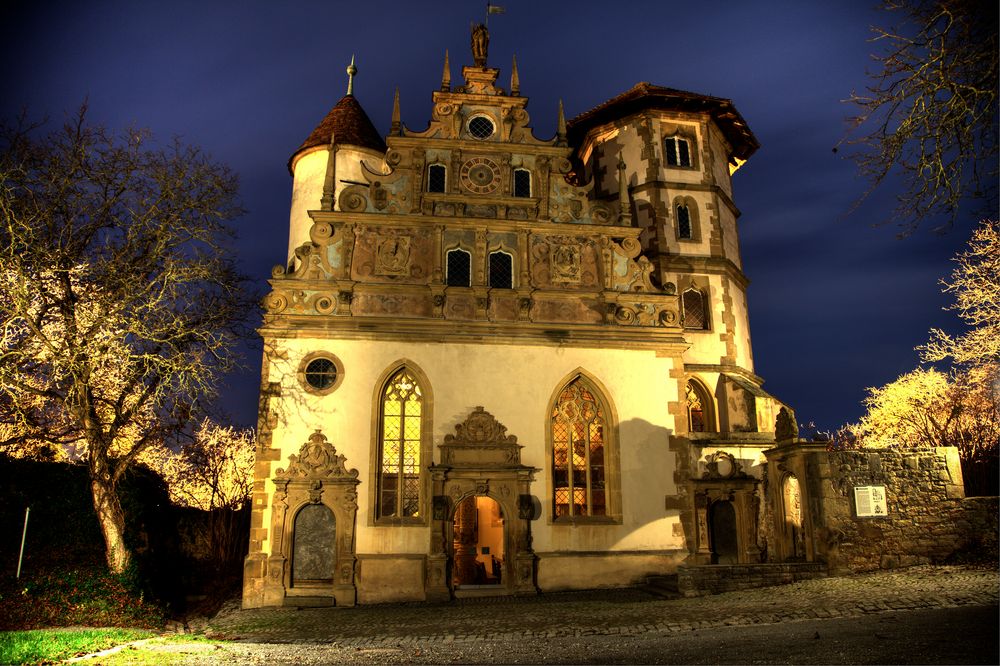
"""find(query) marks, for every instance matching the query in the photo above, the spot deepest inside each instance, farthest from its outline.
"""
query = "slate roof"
(645, 95)
(348, 123)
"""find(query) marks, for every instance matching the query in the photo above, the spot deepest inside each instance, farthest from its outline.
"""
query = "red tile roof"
(645, 95)
(347, 124)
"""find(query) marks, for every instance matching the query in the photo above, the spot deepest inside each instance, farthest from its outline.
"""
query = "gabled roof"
(348, 124)
(645, 95)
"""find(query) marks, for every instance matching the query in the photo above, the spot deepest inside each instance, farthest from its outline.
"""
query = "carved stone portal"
(312, 528)
(481, 460)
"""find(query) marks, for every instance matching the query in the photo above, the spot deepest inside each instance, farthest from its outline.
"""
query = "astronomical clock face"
(480, 175)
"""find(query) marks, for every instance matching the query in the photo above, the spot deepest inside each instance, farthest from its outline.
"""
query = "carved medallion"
(480, 175)
(393, 255)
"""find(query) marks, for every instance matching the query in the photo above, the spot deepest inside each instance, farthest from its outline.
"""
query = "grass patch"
(49, 645)
(172, 650)
(86, 595)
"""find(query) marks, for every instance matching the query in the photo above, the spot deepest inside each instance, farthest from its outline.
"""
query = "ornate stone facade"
(495, 268)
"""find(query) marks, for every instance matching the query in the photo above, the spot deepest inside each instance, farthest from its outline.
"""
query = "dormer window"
(677, 151)
(437, 176)
(522, 183)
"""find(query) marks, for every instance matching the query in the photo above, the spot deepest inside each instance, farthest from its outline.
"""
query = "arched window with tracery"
(579, 423)
(695, 312)
(399, 450)
(698, 408)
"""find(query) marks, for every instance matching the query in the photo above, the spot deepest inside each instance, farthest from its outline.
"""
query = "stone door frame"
(317, 475)
(734, 486)
(481, 460)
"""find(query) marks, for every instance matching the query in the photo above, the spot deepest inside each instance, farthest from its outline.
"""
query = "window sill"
(573, 521)
(399, 522)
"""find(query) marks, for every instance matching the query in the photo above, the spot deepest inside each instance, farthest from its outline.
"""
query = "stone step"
(310, 602)
(663, 585)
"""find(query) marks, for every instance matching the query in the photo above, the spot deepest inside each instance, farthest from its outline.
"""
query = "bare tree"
(120, 299)
(930, 114)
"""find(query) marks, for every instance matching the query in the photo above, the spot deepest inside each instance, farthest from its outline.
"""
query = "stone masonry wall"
(929, 519)
(693, 581)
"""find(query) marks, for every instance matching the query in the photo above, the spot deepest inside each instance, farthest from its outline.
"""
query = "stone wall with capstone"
(929, 519)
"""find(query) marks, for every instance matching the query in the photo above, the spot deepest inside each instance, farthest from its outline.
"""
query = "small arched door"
(722, 532)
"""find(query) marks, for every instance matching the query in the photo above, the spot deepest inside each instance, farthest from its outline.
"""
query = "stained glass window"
(695, 408)
(578, 448)
(399, 443)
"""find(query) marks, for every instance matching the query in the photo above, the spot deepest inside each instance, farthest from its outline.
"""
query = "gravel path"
(940, 614)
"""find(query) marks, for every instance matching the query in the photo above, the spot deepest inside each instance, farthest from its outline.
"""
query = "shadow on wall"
(648, 466)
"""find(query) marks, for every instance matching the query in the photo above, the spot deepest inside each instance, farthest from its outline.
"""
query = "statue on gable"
(785, 427)
(480, 44)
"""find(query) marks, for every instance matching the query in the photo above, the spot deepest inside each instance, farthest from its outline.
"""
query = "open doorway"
(478, 543)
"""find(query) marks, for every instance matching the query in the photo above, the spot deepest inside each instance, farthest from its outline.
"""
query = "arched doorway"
(481, 500)
(478, 543)
(722, 529)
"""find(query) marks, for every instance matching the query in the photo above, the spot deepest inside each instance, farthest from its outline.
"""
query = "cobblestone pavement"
(622, 613)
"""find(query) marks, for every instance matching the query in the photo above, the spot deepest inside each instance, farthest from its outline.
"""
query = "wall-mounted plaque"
(870, 501)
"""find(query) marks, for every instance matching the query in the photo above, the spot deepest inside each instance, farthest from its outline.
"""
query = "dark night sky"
(836, 303)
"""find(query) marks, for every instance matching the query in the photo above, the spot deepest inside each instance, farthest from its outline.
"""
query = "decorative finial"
(480, 44)
(515, 80)
(624, 208)
(397, 126)
(561, 127)
(446, 75)
(351, 71)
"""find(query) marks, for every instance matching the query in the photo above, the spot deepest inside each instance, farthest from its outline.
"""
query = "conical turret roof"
(347, 124)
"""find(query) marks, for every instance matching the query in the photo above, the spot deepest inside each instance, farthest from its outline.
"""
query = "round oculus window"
(481, 127)
(321, 373)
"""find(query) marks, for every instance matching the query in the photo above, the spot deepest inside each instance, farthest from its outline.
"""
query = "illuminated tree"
(930, 112)
(975, 282)
(120, 300)
(927, 407)
(213, 472)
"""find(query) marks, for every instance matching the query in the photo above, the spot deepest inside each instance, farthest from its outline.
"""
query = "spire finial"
(351, 71)
(515, 80)
(446, 74)
(397, 126)
(561, 126)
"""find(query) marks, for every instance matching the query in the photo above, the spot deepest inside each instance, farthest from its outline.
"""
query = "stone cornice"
(493, 224)
(667, 341)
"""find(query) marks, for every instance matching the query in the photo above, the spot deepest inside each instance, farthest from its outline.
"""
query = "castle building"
(498, 364)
